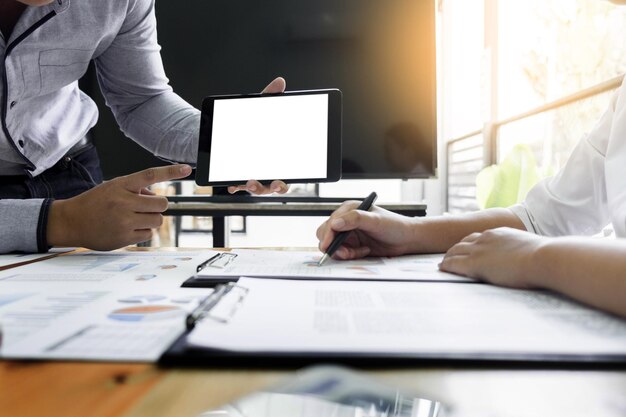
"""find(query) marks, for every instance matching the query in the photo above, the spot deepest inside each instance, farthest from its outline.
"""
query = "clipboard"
(219, 261)
(228, 267)
(183, 353)
(180, 354)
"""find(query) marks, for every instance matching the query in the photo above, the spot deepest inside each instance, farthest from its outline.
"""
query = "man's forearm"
(440, 233)
(589, 270)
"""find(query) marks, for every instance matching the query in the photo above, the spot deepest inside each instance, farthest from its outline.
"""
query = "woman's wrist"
(543, 264)
(422, 237)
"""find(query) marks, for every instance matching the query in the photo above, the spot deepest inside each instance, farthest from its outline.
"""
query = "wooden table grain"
(32, 389)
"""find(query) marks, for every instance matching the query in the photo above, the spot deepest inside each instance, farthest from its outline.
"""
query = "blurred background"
(518, 83)
(535, 73)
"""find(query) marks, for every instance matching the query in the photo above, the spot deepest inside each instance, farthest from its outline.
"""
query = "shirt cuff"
(42, 226)
(20, 224)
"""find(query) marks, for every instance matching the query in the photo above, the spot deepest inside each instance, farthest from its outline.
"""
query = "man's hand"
(502, 256)
(255, 187)
(114, 214)
(376, 232)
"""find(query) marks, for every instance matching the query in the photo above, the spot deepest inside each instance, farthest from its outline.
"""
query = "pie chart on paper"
(146, 313)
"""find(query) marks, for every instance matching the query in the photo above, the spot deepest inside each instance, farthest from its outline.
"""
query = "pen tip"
(322, 260)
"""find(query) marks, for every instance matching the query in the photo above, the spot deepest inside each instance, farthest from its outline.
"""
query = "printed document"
(94, 324)
(108, 270)
(122, 306)
(19, 258)
(304, 265)
(407, 317)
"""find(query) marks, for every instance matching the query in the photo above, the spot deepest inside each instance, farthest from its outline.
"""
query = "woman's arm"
(379, 232)
(589, 270)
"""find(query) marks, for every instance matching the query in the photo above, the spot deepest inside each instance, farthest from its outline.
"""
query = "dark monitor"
(379, 53)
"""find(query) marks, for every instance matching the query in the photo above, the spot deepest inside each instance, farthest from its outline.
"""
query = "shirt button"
(13, 103)
(21, 143)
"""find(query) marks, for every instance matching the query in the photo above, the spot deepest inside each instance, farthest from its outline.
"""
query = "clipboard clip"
(221, 305)
(221, 260)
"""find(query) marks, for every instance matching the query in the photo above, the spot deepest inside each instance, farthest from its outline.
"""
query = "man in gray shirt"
(49, 172)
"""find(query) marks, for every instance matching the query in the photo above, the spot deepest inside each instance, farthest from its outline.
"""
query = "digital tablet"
(293, 136)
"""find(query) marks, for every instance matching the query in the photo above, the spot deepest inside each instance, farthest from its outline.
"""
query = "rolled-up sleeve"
(23, 225)
(133, 82)
(525, 215)
(574, 202)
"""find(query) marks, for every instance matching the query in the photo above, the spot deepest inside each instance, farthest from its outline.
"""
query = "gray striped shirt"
(45, 113)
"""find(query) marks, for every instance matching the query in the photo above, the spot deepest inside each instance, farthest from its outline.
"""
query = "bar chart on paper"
(98, 306)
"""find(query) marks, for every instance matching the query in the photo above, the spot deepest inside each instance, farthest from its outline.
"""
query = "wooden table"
(66, 389)
(107, 390)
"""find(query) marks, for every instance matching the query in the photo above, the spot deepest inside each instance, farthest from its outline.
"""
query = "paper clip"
(221, 260)
(232, 295)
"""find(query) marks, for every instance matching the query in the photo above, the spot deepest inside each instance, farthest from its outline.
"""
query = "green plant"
(507, 183)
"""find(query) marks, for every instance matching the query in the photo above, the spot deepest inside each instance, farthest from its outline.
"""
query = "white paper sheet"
(95, 324)
(108, 270)
(124, 305)
(408, 317)
(18, 258)
(303, 265)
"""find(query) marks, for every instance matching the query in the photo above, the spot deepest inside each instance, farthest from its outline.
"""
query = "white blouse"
(589, 193)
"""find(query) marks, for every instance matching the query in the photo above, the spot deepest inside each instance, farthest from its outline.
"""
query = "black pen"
(341, 236)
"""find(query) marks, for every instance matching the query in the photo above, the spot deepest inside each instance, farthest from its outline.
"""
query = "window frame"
(492, 125)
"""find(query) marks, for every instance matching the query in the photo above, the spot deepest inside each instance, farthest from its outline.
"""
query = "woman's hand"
(376, 232)
(502, 256)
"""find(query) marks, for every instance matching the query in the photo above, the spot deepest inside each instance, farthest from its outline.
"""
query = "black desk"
(220, 206)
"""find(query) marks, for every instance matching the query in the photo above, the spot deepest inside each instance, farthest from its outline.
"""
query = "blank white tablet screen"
(278, 137)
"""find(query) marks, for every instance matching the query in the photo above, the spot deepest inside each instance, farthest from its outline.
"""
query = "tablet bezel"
(333, 167)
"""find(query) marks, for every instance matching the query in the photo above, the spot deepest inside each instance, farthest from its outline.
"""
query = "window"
(549, 68)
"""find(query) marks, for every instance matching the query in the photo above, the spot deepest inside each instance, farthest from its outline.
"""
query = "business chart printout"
(121, 306)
